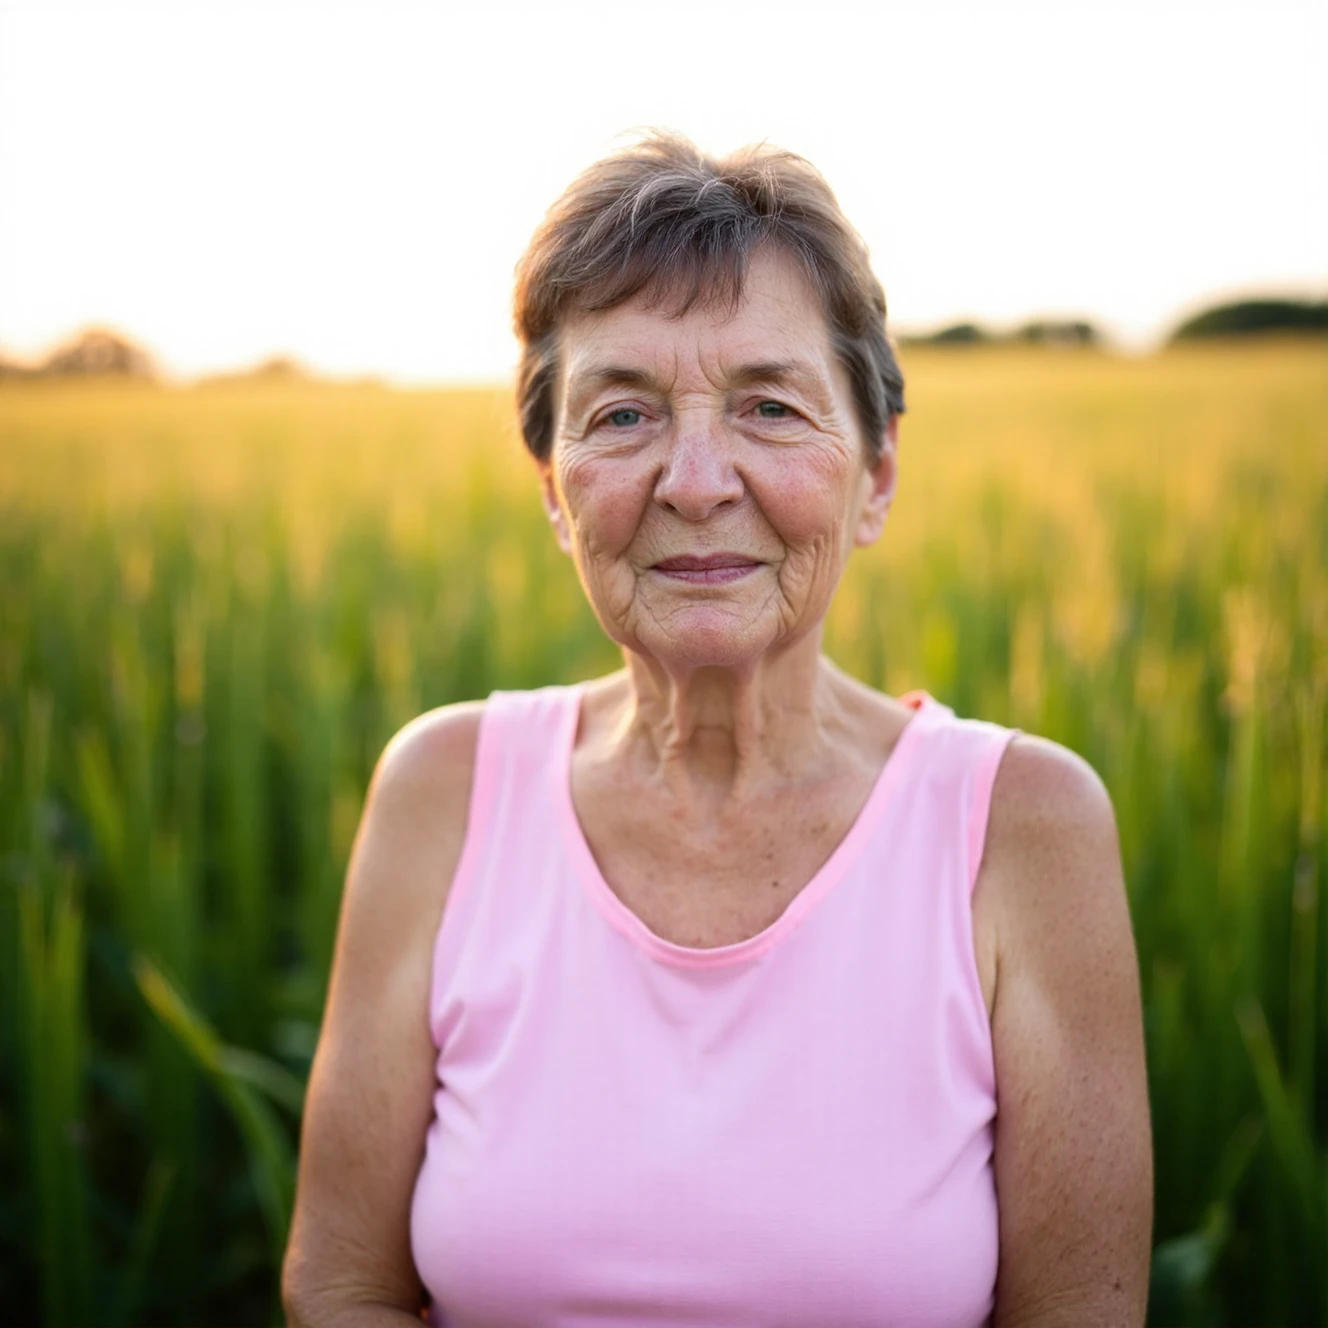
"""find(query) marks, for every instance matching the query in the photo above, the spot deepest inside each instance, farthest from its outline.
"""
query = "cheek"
(807, 504)
(606, 501)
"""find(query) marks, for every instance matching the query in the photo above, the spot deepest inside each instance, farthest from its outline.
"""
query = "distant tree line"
(95, 353)
(1243, 318)
(1043, 332)
(1250, 317)
(100, 353)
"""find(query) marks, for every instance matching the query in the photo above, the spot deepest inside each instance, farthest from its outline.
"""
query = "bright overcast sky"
(353, 182)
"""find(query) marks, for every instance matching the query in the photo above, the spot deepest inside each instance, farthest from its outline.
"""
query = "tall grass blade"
(51, 978)
(271, 1159)
(151, 1209)
(1292, 1135)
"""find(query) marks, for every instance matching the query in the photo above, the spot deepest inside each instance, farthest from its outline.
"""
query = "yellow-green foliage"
(219, 602)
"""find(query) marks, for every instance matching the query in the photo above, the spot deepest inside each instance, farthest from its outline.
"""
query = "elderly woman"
(723, 990)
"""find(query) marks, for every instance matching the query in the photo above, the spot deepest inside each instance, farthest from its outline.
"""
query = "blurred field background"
(220, 601)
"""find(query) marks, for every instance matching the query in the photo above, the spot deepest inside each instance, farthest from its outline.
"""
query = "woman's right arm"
(370, 1097)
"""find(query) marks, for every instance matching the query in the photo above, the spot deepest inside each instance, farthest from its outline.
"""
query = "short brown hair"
(665, 218)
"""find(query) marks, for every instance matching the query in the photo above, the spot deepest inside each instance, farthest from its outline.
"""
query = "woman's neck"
(730, 732)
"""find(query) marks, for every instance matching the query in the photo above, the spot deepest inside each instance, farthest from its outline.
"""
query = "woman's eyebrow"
(797, 374)
(586, 382)
(595, 378)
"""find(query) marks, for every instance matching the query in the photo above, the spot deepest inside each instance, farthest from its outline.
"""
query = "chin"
(692, 642)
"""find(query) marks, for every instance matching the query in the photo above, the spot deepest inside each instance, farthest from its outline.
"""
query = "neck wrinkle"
(729, 733)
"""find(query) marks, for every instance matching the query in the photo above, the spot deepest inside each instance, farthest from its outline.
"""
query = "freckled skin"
(695, 451)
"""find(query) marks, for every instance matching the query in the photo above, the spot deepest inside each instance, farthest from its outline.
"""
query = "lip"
(710, 569)
(686, 562)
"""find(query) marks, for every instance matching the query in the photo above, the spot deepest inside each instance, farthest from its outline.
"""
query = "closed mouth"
(710, 569)
(693, 563)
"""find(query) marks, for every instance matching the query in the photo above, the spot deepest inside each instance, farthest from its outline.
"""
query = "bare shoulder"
(1073, 1152)
(1052, 853)
(414, 819)
(1042, 784)
(431, 760)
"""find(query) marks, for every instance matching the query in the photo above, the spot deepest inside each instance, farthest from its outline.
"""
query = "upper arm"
(371, 1085)
(1073, 1151)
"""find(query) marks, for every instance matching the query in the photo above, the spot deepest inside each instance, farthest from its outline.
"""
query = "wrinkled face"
(708, 474)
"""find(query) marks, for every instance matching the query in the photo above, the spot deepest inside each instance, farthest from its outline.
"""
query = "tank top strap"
(523, 735)
(990, 742)
(517, 732)
(966, 756)
(513, 797)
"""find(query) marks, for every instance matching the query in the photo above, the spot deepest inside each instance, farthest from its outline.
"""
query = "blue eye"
(773, 410)
(624, 418)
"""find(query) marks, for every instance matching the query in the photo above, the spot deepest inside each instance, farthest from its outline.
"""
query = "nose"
(699, 475)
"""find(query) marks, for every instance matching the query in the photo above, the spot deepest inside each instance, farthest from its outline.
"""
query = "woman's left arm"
(1074, 1168)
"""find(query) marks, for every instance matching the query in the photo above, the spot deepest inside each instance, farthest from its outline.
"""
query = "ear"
(881, 476)
(553, 509)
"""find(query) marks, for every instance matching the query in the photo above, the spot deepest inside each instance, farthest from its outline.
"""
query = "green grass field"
(219, 602)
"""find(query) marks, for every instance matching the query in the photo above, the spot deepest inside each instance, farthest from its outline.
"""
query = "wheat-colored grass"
(219, 602)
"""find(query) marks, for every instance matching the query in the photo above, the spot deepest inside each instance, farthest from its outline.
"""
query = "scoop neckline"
(829, 874)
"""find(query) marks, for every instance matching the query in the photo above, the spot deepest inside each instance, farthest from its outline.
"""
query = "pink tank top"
(792, 1130)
